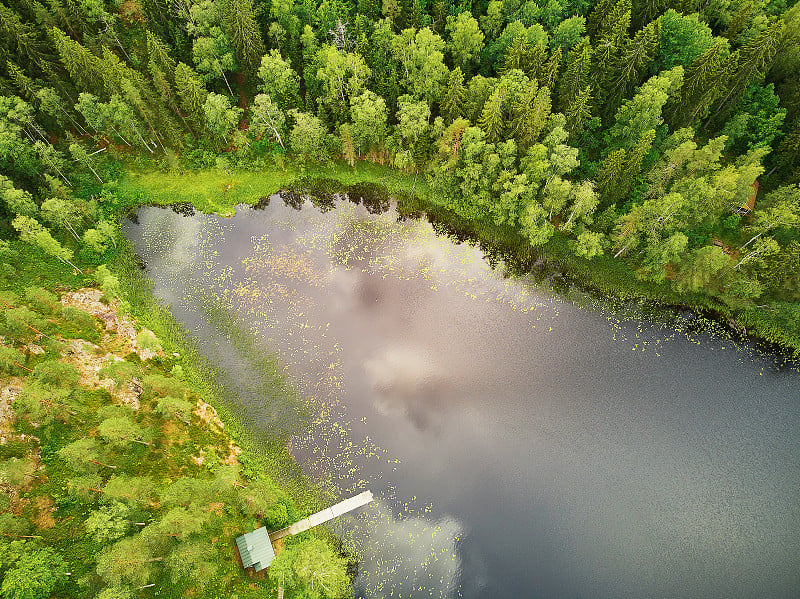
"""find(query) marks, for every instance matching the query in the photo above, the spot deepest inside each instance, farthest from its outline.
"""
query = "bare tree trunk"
(625, 247)
(65, 261)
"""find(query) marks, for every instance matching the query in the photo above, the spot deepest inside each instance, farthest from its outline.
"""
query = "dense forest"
(656, 138)
(662, 135)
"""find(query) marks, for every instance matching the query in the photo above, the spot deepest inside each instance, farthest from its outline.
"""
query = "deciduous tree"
(280, 81)
(34, 575)
(311, 569)
(466, 40)
(30, 231)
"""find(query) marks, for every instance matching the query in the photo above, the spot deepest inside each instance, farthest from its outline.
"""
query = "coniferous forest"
(654, 143)
(661, 138)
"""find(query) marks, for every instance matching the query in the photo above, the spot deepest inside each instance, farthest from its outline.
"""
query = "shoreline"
(604, 275)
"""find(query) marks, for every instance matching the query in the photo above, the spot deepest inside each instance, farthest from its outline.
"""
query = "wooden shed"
(255, 549)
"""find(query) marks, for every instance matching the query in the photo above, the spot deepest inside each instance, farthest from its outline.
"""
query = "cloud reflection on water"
(411, 556)
(406, 381)
(671, 473)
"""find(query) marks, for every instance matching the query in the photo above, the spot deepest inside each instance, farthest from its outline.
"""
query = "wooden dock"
(325, 515)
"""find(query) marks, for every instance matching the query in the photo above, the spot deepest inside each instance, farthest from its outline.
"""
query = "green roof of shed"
(255, 549)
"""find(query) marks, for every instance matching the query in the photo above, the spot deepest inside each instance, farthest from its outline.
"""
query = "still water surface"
(523, 444)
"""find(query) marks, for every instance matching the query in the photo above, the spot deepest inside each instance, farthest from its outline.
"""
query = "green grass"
(220, 191)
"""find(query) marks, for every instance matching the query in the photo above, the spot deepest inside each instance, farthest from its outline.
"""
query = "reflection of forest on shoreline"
(506, 248)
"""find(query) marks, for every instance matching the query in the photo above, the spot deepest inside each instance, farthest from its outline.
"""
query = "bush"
(164, 386)
(85, 324)
(147, 340)
(120, 371)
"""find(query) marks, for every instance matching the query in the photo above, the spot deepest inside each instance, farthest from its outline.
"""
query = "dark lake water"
(523, 444)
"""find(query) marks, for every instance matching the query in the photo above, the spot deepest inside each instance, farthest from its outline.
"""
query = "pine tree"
(77, 17)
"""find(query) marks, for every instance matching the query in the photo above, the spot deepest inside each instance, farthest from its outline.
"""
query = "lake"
(523, 441)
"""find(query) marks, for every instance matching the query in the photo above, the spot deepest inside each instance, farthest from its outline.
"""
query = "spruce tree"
(788, 155)
(191, 93)
(576, 74)
(549, 72)
(609, 175)
(492, 119)
(628, 67)
(31, 231)
(453, 102)
(158, 54)
(82, 65)
(754, 60)
(519, 56)
(701, 86)
(643, 111)
(243, 31)
(24, 84)
(19, 39)
(633, 165)
(529, 114)
(605, 16)
(579, 111)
